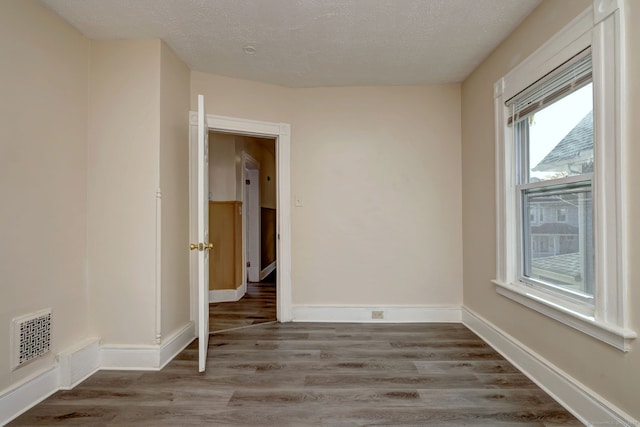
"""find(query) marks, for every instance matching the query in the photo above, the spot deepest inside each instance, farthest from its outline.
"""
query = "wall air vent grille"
(31, 337)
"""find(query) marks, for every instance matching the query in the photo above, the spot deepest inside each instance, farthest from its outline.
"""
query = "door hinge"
(248, 181)
(248, 263)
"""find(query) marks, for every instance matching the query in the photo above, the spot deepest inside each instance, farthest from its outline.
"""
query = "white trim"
(603, 8)
(146, 358)
(252, 229)
(28, 394)
(584, 403)
(571, 40)
(268, 270)
(614, 335)
(282, 133)
(364, 314)
(82, 360)
(79, 362)
(283, 225)
(121, 357)
(227, 295)
(246, 160)
(176, 343)
(158, 281)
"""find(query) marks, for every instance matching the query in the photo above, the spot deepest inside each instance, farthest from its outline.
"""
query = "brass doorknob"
(200, 246)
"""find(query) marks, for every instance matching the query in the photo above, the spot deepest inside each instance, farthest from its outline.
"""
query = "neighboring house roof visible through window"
(567, 264)
(573, 149)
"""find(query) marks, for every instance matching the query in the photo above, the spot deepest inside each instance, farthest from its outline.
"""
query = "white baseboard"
(362, 314)
(586, 405)
(28, 394)
(79, 362)
(74, 365)
(228, 295)
(146, 358)
(176, 343)
(267, 270)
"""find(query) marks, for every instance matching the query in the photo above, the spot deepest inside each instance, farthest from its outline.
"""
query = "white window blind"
(569, 77)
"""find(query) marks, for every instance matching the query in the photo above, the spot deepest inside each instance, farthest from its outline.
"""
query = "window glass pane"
(559, 138)
(559, 252)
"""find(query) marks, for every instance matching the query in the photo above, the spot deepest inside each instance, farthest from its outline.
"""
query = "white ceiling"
(306, 43)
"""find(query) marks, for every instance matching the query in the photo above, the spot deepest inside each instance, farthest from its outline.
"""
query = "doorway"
(279, 133)
(242, 226)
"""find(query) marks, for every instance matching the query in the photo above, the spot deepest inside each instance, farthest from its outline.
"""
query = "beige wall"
(378, 170)
(43, 165)
(225, 167)
(222, 167)
(268, 178)
(90, 131)
(609, 372)
(241, 98)
(263, 151)
(174, 184)
(123, 174)
(367, 162)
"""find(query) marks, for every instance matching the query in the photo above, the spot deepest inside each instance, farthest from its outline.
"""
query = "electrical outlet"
(377, 314)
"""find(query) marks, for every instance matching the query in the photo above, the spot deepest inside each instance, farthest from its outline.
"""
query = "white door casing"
(282, 133)
(252, 221)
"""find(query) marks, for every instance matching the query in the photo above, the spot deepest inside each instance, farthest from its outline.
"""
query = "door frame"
(249, 163)
(282, 134)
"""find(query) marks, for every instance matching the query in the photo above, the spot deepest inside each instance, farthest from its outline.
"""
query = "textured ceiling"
(306, 43)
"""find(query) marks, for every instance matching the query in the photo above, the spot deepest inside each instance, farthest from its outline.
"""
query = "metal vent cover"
(31, 337)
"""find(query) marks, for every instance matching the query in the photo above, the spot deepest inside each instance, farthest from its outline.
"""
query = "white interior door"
(203, 235)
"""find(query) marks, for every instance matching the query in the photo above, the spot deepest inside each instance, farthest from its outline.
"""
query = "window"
(552, 124)
(558, 154)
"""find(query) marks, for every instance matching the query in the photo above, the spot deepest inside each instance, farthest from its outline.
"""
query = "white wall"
(379, 172)
(605, 370)
(43, 127)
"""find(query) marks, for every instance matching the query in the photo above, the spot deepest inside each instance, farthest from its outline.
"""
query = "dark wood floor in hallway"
(317, 374)
(257, 306)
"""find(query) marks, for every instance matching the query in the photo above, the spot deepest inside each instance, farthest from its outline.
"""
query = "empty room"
(358, 212)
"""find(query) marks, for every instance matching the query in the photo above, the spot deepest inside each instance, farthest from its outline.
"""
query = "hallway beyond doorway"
(257, 306)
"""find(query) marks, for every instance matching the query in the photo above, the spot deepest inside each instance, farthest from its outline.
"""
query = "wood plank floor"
(257, 306)
(317, 374)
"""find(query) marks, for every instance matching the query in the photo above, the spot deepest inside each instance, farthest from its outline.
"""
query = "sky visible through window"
(553, 123)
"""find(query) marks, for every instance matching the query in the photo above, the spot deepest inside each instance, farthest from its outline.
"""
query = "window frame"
(601, 27)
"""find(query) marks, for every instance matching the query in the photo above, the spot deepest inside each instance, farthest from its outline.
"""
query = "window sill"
(613, 335)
